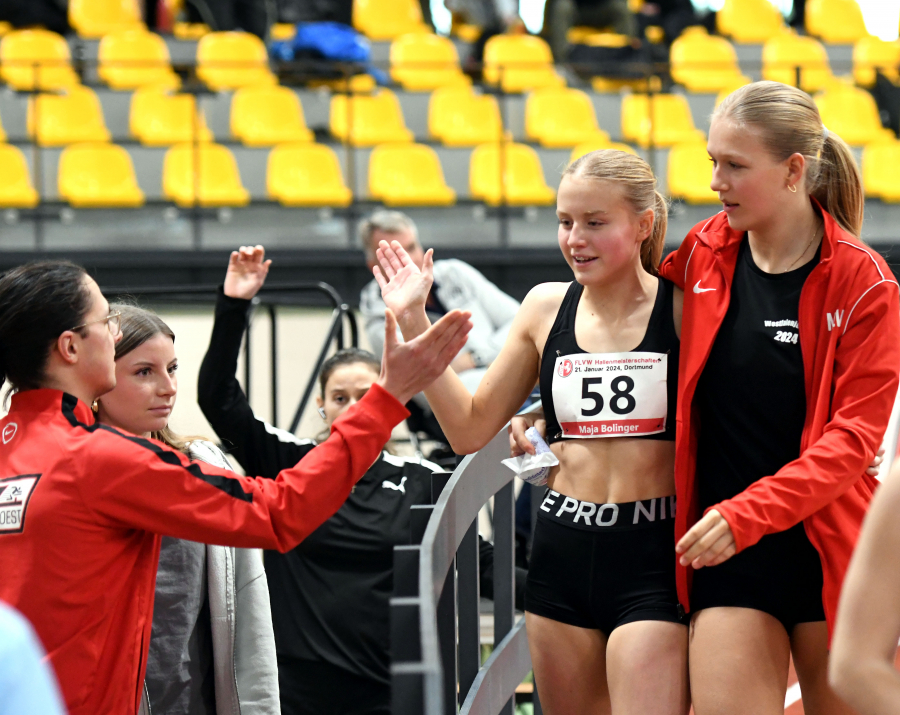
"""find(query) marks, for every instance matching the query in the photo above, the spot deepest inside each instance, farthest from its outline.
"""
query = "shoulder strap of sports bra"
(565, 316)
(662, 317)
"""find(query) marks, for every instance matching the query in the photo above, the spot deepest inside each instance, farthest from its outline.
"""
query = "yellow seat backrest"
(879, 169)
(262, 116)
(387, 19)
(703, 63)
(306, 175)
(228, 60)
(16, 189)
(664, 122)
(36, 59)
(93, 175)
(158, 118)
(367, 120)
(422, 62)
(136, 58)
(69, 118)
(835, 21)
(96, 18)
(588, 147)
(559, 117)
(520, 182)
(690, 174)
(749, 21)
(852, 114)
(407, 175)
(784, 53)
(871, 53)
(217, 178)
(457, 116)
(519, 62)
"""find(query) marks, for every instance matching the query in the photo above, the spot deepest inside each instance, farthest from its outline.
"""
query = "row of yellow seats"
(689, 172)
(95, 174)
(755, 21)
(132, 58)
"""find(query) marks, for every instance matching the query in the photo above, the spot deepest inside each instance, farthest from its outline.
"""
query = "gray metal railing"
(435, 623)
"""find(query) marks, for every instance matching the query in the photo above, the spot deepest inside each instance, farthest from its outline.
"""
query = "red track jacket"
(82, 507)
(850, 339)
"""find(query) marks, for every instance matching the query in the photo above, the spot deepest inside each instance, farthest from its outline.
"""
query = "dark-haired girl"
(83, 505)
(212, 649)
(330, 595)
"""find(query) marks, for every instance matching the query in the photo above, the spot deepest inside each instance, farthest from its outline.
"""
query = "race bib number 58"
(610, 394)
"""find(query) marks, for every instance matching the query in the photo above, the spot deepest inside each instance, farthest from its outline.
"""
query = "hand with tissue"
(533, 468)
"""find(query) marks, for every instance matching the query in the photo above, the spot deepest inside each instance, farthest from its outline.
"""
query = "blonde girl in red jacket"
(790, 348)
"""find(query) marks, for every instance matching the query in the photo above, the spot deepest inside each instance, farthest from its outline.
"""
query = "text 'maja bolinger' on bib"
(610, 394)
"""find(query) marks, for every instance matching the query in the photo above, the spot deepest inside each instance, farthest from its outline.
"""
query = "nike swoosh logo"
(698, 289)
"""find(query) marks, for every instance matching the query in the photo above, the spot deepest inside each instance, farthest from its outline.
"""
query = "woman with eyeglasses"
(83, 505)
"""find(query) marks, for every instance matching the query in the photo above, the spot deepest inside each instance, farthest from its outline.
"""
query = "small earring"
(321, 412)
(95, 406)
(792, 188)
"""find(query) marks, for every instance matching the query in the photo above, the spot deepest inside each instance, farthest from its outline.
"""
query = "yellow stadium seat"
(5, 27)
(690, 174)
(881, 179)
(519, 63)
(228, 60)
(835, 21)
(704, 64)
(670, 121)
(408, 175)
(368, 120)
(560, 117)
(586, 148)
(130, 59)
(263, 116)
(190, 30)
(749, 21)
(36, 59)
(2, 134)
(95, 18)
(521, 182)
(725, 91)
(782, 55)
(421, 63)
(98, 175)
(218, 181)
(457, 116)
(283, 31)
(16, 190)
(60, 119)
(872, 53)
(306, 175)
(158, 118)
(851, 113)
(387, 19)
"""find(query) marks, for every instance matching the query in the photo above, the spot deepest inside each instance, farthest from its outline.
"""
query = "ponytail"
(838, 186)
(634, 176)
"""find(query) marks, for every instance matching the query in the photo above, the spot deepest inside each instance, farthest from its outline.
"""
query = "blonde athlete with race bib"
(600, 597)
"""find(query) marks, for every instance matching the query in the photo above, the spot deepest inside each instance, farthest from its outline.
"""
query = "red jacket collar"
(717, 235)
(45, 400)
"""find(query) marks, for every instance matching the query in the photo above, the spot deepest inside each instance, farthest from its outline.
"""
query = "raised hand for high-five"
(404, 288)
(247, 271)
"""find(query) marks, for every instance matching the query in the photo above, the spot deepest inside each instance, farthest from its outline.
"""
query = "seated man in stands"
(456, 285)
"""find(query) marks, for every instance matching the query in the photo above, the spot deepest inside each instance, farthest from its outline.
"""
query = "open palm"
(403, 286)
(247, 271)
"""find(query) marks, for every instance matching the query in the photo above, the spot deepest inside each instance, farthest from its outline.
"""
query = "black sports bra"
(660, 339)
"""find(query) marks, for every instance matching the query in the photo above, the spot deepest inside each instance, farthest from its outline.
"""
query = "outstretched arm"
(468, 421)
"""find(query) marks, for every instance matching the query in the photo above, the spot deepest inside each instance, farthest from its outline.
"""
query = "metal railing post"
(273, 319)
(469, 623)
(504, 569)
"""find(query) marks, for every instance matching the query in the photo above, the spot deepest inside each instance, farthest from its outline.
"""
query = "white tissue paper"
(533, 468)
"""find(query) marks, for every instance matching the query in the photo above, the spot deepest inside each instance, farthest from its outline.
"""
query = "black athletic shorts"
(780, 575)
(314, 687)
(601, 566)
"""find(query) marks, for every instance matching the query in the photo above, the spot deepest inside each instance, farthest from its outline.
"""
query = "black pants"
(313, 687)
(221, 15)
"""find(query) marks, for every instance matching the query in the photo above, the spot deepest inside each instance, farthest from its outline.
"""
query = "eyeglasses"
(113, 322)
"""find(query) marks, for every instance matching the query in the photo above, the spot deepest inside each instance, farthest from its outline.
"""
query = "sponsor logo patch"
(9, 432)
(15, 493)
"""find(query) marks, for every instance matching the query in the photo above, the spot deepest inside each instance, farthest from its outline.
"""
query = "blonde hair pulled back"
(635, 178)
(788, 122)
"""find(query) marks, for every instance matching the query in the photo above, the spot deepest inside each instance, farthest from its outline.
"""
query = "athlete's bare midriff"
(609, 469)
